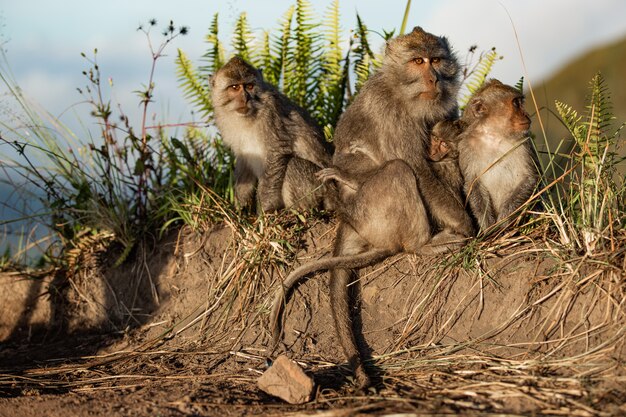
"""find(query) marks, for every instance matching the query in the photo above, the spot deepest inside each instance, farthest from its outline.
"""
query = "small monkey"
(277, 145)
(443, 152)
(495, 153)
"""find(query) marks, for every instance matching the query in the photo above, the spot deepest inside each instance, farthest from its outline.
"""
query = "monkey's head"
(500, 108)
(236, 87)
(444, 140)
(423, 66)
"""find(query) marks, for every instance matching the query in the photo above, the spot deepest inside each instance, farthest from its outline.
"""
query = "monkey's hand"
(333, 174)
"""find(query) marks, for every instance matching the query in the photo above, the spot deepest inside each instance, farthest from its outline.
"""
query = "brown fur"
(443, 151)
(495, 153)
(389, 186)
(277, 145)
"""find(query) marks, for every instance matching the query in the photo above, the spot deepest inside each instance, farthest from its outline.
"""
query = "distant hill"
(570, 85)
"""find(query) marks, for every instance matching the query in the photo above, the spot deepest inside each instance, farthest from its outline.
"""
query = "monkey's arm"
(310, 144)
(519, 195)
(522, 192)
(329, 174)
(245, 180)
(354, 164)
(480, 203)
(441, 202)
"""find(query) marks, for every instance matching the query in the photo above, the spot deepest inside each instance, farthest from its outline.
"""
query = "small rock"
(286, 380)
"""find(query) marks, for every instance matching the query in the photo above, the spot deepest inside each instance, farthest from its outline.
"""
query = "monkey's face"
(509, 115)
(500, 109)
(241, 98)
(443, 148)
(444, 140)
(424, 66)
(520, 121)
(237, 87)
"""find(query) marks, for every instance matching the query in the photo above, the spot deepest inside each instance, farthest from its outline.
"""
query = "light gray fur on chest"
(245, 140)
(503, 171)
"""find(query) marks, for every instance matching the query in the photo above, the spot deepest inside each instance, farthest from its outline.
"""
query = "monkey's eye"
(418, 61)
(235, 87)
(518, 102)
(435, 60)
(249, 86)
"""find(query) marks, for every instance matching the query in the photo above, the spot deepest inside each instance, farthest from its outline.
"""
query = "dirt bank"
(181, 328)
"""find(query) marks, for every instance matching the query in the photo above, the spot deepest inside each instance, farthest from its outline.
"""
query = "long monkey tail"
(359, 260)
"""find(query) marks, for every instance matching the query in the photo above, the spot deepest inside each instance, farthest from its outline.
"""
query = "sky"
(44, 39)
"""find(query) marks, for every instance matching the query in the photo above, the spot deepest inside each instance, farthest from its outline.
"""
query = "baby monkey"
(443, 152)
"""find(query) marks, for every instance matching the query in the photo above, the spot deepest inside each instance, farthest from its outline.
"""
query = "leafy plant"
(475, 73)
(114, 183)
(591, 199)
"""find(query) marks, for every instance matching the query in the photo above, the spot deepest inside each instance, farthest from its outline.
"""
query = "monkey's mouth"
(245, 110)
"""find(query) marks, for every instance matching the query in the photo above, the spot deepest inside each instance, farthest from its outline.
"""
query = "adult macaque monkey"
(382, 139)
(495, 153)
(277, 145)
(391, 118)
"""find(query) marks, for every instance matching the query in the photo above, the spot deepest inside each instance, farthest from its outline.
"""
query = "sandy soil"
(181, 329)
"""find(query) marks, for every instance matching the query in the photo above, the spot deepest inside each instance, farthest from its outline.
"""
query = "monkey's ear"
(444, 42)
(476, 107)
(212, 80)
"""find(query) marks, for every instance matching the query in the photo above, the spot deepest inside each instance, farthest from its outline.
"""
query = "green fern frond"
(571, 119)
(243, 39)
(195, 88)
(214, 56)
(363, 57)
(519, 85)
(280, 48)
(599, 109)
(267, 60)
(476, 78)
(333, 77)
(303, 63)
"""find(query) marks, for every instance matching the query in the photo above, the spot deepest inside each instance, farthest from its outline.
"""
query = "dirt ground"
(181, 329)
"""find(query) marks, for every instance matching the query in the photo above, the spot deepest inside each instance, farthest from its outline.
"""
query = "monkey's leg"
(388, 211)
(270, 188)
(517, 198)
(245, 181)
(342, 299)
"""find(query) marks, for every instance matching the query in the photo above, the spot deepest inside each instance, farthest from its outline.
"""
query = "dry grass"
(571, 363)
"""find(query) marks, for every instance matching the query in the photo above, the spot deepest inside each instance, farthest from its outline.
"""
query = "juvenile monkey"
(495, 153)
(277, 145)
(382, 141)
(443, 152)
